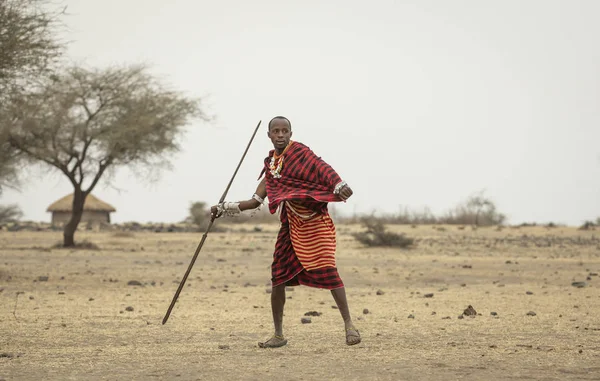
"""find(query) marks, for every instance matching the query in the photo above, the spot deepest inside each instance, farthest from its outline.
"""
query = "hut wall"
(61, 218)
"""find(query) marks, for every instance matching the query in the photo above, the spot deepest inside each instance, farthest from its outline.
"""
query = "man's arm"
(329, 177)
(235, 207)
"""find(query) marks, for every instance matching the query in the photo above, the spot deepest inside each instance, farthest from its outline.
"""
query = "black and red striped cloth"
(307, 182)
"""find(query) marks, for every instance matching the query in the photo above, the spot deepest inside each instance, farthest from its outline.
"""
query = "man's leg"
(352, 335)
(277, 304)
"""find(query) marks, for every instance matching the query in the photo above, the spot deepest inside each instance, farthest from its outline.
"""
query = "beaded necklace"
(277, 162)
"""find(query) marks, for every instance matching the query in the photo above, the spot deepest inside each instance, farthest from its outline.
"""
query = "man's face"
(280, 134)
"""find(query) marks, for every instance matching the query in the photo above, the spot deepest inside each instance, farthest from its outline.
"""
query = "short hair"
(280, 117)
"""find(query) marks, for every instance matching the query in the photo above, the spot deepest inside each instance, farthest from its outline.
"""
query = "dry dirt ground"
(76, 325)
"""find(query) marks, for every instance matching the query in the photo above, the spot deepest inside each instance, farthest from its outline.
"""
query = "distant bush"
(198, 215)
(477, 210)
(10, 213)
(376, 235)
(587, 225)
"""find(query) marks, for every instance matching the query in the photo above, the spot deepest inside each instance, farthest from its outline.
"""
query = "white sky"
(414, 103)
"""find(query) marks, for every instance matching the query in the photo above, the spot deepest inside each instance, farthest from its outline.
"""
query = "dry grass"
(76, 326)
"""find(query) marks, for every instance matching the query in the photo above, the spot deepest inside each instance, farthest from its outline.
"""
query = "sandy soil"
(75, 325)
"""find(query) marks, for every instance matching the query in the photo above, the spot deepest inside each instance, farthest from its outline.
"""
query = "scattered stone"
(365, 311)
(268, 291)
(461, 317)
(380, 292)
(579, 284)
(494, 313)
(593, 274)
(90, 299)
(289, 289)
(467, 266)
(529, 293)
(430, 295)
(411, 316)
(312, 313)
(531, 313)
(43, 278)
(446, 318)
(134, 283)
(433, 313)
(31, 297)
(130, 309)
(61, 293)
(221, 260)
(224, 346)
(6, 355)
(508, 262)
(334, 307)
(470, 311)
(493, 346)
(306, 320)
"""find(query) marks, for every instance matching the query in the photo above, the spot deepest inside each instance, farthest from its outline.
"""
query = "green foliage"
(28, 45)
(376, 235)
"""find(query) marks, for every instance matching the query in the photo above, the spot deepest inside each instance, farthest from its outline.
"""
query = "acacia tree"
(83, 122)
(27, 40)
(28, 48)
(482, 206)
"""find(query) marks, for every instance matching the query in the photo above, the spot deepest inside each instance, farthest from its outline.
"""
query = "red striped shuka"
(299, 185)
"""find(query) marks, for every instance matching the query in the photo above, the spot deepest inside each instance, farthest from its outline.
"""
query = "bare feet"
(352, 336)
(274, 342)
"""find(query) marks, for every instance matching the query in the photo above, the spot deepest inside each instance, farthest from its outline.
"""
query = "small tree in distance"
(10, 213)
(198, 214)
(83, 122)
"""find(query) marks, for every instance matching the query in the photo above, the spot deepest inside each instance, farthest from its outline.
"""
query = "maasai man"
(299, 184)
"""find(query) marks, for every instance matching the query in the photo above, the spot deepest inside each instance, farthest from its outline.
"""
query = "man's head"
(280, 132)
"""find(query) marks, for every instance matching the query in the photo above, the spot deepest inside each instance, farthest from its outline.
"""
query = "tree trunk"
(70, 228)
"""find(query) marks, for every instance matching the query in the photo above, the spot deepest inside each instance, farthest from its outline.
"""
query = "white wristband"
(339, 187)
(258, 198)
(230, 209)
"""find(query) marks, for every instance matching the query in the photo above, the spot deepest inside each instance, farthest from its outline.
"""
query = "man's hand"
(345, 192)
(214, 212)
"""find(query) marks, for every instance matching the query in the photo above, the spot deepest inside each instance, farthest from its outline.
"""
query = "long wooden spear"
(212, 219)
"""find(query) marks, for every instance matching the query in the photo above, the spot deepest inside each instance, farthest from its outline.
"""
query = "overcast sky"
(414, 103)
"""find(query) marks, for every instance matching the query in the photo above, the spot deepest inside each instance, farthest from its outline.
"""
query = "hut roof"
(92, 203)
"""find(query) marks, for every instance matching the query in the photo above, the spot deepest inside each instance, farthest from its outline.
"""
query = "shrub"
(587, 225)
(376, 235)
(10, 213)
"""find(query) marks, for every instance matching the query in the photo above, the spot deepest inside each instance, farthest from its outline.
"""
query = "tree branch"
(103, 165)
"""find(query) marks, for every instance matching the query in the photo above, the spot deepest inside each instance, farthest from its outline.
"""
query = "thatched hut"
(95, 211)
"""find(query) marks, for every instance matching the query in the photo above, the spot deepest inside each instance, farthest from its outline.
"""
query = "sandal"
(352, 336)
(274, 342)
